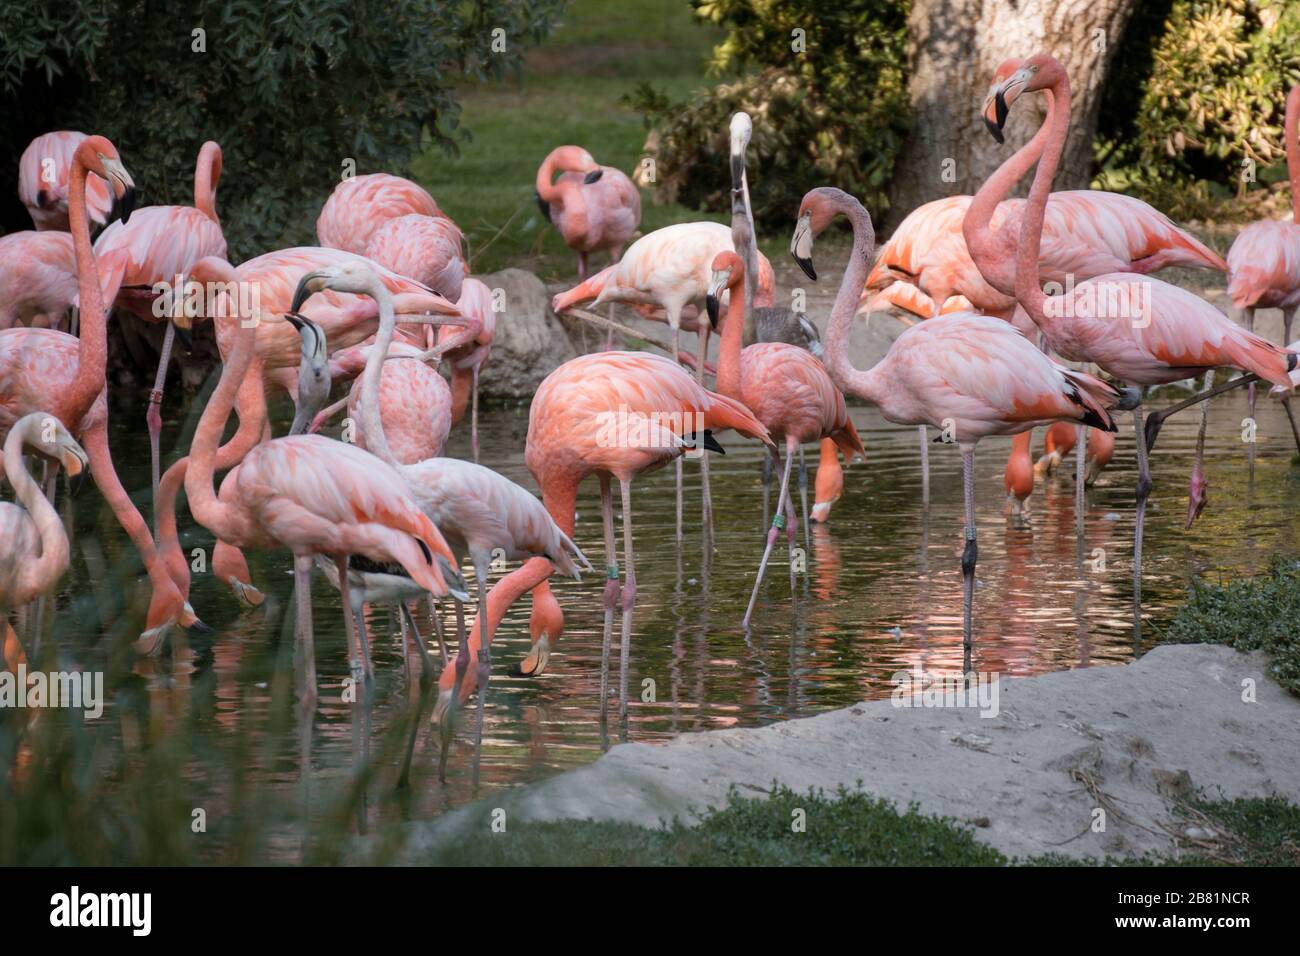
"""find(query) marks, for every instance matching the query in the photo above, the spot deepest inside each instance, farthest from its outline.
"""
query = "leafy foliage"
(290, 88)
(833, 112)
(1250, 614)
(1212, 78)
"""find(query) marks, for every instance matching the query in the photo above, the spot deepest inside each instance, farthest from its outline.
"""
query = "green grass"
(850, 828)
(571, 92)
(1250, 614)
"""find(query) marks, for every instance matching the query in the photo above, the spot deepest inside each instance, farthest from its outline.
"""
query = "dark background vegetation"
(291, 88)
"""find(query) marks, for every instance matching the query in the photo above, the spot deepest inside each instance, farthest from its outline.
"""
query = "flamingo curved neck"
(860, 383)
(733, 332)
(994, 252)
(35, 574)
(546, 189)
(1028, 289)
(371, 420)
(92, 348)
(207, 173)
(207, 508)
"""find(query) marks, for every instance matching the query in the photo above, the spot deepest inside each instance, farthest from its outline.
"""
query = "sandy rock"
(1131, 740)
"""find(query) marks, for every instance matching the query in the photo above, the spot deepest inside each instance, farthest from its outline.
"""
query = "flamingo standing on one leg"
(594, 207)
(614, 415)
(33, 543)
(1264, 261)
(44, 174)
(787, 389)
(158, 247)
(971, 374)
(313, 496)
(41, 369)
(482, 513)
(361, 204)
(1134, 327)
(38, 278)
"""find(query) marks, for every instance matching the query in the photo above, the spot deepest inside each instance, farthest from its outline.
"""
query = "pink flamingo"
(967, 374)
(158, 247)
(668, 268)
(428, 249)
(786, 388)
(614, 415)
(33, 544)
(482, 513)
(38, 278)
(313, 496)
(41, 369)
(268, 283)
(361, 204)
(594, 207)
(1264, 261)
(44, 172)
(1135, 328)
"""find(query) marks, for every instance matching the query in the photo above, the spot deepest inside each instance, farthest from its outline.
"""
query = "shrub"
(290, 88)
(831, 113)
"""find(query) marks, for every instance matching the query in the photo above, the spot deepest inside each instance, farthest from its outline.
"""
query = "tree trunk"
(954, 48)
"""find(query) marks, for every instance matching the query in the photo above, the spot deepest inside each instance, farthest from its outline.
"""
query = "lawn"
(571, 91)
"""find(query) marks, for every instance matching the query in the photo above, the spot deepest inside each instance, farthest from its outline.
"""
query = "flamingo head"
(1013, 77)
(356, 276)
(819, 207)
(53, 441)
(1196, 493)
(97, 155)
(742, 128)
(728, 273)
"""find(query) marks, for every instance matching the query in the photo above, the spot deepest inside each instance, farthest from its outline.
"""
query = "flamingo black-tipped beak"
(543, 205)
(737, 170)
(296, 320)
(807, 266)
(308, 286)
(801, 245)
(711, 306)
(995, 115)
(593, 176)
(198, 629)
(43, 200)
(711, 444)
(1129, 399)
(122, 207)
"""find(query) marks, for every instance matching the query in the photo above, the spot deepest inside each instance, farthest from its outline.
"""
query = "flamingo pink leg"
(778, 521)
(629, 599)
(612, 592)
(153, 417)
(969, 555)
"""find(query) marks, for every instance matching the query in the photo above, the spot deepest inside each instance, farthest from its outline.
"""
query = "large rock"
(1133, 740)
(530, 341)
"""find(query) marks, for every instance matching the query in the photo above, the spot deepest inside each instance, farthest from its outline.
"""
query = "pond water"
(883, 592)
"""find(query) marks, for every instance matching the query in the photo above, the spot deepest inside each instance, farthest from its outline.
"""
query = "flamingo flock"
(1036, 312)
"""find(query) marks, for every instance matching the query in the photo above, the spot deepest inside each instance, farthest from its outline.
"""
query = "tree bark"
(954, 48)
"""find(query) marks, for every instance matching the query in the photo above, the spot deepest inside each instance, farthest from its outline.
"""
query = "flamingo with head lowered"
(314, 496)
